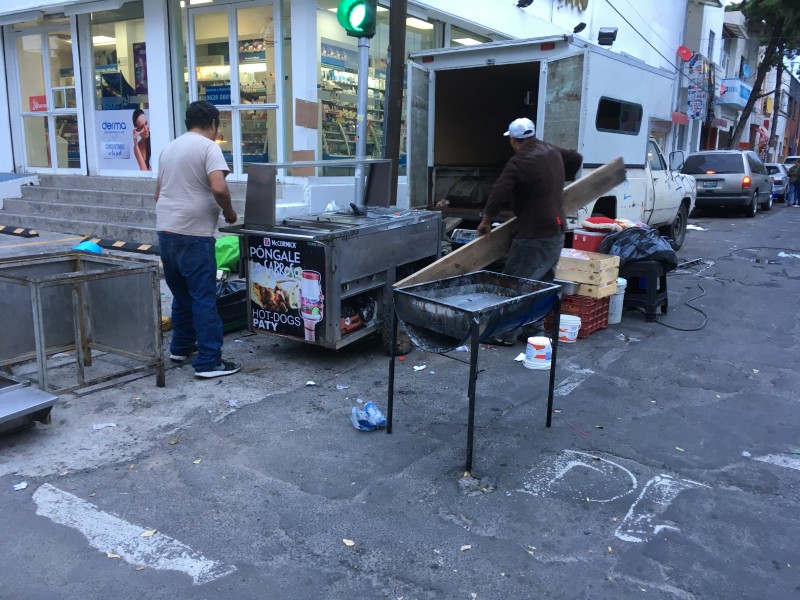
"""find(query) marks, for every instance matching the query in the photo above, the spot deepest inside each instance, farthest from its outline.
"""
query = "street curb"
(20, 231)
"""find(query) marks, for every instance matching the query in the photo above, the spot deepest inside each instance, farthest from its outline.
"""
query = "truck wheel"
(676, 231)
(402, 344)
(752, 208)
(767, 206)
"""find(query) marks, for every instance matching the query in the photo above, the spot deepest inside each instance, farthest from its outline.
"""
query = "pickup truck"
(581, 96)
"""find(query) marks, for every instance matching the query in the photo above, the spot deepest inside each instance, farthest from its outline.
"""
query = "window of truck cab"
(618, 116)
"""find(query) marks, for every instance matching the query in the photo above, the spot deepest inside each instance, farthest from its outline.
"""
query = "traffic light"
(358, 17)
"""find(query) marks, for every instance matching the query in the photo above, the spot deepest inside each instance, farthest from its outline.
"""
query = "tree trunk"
(761, 74)
(773, 137)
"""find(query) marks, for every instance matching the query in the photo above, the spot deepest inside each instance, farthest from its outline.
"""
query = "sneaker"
(180, 357)
(226, 367)
(500, 341)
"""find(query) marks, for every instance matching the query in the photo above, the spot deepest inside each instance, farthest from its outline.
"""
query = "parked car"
(730, 178)
(790, 160)
(779, 173)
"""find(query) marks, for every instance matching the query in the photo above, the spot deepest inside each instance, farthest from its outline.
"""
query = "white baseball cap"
(521, 129)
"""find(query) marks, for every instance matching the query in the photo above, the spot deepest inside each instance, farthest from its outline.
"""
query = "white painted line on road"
(109, 533)
(570, 383)
(657, 494)
(779, 460)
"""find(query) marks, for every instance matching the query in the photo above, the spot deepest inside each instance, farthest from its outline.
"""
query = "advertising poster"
(117, 135)
(287, 283)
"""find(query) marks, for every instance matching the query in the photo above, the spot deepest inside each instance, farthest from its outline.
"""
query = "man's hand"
(485, 227)
(230, 216)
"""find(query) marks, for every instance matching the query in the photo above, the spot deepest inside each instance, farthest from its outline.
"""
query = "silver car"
(779, 173)
(735, 178)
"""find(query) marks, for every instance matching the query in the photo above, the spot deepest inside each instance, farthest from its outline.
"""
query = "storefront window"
(120, 58)
(30, 59)
(462, 37)
(338, 84)
(37, 146)
(47, 94)
(121, 91)
(232, 57)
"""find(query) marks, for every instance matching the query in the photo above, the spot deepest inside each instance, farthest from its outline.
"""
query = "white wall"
(656, 27)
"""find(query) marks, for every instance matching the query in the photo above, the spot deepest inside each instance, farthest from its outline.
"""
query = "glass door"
(48, 98)
(234, 63)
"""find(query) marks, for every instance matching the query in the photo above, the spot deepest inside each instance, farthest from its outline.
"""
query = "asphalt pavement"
(671, 470)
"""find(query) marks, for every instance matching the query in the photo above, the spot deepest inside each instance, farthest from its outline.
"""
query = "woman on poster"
(141, 139)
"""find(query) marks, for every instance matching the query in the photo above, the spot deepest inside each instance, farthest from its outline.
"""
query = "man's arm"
(158, 189)
(501, 194)
(216, 179)
(572, 163)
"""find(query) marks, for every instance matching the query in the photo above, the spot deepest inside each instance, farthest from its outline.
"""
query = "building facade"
(99, 87)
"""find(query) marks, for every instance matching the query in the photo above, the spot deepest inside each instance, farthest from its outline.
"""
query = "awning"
(16, 11)
(680, 118)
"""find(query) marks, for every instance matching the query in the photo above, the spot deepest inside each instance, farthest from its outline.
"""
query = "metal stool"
(647, 287)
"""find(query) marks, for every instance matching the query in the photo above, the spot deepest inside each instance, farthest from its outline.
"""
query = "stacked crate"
(595, 276)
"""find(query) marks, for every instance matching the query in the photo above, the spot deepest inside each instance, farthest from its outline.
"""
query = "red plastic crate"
(592, 311)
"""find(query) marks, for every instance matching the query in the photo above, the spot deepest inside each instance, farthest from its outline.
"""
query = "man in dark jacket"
(532, 185)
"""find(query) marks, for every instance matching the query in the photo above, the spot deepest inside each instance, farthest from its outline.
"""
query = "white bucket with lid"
(568, 328)
(538, 353)
(616, 301)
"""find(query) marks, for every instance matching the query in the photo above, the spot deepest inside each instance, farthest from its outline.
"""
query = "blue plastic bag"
(368, 418)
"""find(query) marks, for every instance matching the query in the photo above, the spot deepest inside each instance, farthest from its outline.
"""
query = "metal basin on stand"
(440, 315)
(444, 314)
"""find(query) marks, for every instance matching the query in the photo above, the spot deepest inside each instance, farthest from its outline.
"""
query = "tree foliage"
(776, 23)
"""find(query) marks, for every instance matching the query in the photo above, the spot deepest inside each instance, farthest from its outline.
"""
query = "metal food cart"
(327, 278)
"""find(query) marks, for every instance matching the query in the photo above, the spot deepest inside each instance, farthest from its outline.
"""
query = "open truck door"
(417, 133)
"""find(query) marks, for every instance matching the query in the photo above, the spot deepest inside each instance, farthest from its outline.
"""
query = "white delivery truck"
(580, 96)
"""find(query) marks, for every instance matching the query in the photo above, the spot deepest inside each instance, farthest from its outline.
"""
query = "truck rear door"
(418, 90)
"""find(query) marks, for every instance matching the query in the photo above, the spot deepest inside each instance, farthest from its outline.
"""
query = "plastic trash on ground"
(368, 418)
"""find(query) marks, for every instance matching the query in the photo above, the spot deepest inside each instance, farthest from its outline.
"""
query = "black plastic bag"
(639, 243)
(230, 286)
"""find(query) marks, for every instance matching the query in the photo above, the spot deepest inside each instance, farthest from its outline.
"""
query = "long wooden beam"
(486, 249)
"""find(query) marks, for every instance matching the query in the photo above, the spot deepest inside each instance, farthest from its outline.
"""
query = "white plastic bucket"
(568, 328)
(615, 302)
(538, 353)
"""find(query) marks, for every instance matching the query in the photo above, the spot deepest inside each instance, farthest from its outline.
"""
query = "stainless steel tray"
(439, 315)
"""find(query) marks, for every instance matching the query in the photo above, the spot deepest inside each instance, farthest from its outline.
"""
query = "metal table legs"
(555, 313)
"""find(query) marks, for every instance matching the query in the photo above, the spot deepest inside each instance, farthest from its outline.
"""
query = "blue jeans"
(190, 270)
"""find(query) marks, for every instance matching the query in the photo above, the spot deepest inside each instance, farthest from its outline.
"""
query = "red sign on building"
(37, 103)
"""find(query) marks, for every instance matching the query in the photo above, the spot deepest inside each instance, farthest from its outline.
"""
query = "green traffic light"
(358, 17)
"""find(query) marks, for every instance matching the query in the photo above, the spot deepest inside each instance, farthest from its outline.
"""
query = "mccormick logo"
(267, 241)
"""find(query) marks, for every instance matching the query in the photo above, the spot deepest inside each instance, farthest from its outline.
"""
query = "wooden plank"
(579, 193)
(489, 248)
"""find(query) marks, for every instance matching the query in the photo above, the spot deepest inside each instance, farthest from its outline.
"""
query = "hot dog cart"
(326, 278)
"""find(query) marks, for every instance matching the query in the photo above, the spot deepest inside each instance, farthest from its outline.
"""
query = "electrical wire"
(710, 262)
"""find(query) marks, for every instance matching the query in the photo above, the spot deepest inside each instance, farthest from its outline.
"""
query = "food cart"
(326, 278)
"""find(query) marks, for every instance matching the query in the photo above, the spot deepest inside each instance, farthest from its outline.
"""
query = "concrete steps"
(116, 208)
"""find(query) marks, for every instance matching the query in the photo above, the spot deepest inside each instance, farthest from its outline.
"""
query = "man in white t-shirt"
(190, 191)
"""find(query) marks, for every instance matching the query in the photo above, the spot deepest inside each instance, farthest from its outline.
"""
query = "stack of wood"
(594, 274)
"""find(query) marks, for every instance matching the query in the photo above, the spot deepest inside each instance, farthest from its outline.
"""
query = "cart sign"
(286, 279)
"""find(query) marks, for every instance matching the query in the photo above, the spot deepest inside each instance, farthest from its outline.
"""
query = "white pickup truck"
(580, 96)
